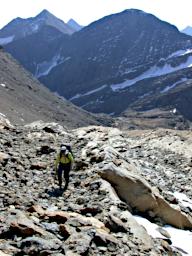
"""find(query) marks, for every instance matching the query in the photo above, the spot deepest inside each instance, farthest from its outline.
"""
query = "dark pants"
(66, 169)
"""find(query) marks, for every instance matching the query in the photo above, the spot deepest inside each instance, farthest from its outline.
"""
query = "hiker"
(63, 163)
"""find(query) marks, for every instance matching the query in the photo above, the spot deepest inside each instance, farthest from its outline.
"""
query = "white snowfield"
(154, 71)
(6, 40)
(1, 114)
(169, 87)
(88, 93)
(45, 67)
(181, 239)
(179, 53)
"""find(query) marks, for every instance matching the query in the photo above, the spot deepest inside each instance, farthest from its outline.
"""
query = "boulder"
(134, 190)
(4, 158)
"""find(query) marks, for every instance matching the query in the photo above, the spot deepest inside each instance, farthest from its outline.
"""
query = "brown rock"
(88, 221)
(37, 208)
(38, 166)
(64, 230)
(58, 216)
(25, 227)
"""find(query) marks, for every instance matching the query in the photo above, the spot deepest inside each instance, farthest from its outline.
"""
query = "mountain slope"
(115, 58)
(39, 52)
(114, 55)
(23, 99)
(20, 28)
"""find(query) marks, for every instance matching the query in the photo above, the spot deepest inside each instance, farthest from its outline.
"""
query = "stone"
(140, 195)
(57, 216)
(78, 243)
(102, 238)
(34, 245)
(115, 224)
(36, 208)
(4, 158)
(24, 228)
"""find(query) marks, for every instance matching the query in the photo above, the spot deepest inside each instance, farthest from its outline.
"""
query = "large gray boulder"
(134, 190)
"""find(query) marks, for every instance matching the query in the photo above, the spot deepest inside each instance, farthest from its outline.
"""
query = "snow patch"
(34, 27)
(1, 114)
(180, 53)
(181, 239)
(6, 40)
(152, 229)
(3, 85)
(154, 71)
(88, 93)
(145, 95)
(169, 87)
(45, 67)
(174, 111)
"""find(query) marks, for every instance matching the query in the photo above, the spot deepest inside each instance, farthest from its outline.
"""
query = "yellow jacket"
(63, 159)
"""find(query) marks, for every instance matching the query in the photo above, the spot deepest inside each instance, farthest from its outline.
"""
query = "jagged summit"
(44, 13)
(19, 28)
(187, 31)
(72, 23)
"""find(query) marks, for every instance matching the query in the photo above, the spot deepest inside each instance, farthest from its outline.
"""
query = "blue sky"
(177, 12)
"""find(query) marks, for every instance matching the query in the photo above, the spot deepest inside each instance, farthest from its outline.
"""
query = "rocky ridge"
(116, 175)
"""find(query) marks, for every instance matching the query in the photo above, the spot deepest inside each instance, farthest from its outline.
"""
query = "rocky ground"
(116, 175)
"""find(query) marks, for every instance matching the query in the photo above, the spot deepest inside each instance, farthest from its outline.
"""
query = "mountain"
(23, 99)
(72, 23)
(117, 58)
(45, 50)
(21, 28)
(187, 31)
(123, 58)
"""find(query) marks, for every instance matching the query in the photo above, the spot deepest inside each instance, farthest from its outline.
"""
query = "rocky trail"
(116, 175)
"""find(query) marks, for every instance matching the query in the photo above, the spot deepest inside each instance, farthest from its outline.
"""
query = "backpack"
(68, 148)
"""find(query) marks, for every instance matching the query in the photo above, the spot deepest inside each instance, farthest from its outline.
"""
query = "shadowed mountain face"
(121, 58)
(23, 99)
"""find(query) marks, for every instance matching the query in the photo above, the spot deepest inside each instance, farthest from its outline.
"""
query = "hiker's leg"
(59, 174)
(66, 175)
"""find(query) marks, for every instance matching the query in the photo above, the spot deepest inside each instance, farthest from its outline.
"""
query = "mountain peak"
(45, 14)
(187, 31)
(72, 23)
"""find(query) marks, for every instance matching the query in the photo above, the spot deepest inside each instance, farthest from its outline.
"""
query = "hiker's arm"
(71, 159)
(56, 163)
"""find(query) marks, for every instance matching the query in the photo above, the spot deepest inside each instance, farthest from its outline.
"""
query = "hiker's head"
(63, 150)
